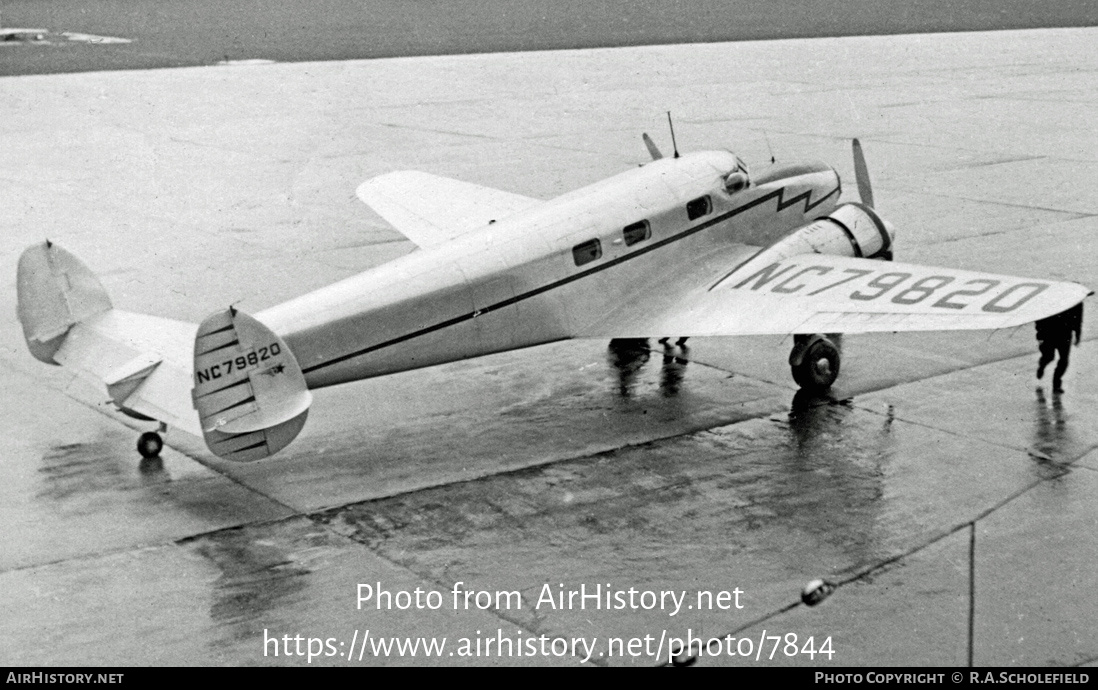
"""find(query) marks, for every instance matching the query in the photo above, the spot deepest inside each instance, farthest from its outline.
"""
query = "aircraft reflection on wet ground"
(628, 355)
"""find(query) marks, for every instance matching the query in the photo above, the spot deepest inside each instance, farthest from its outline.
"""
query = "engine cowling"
(850, 230)
(869, 234)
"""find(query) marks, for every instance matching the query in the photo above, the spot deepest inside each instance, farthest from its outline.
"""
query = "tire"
(818, 368)
(150, 444)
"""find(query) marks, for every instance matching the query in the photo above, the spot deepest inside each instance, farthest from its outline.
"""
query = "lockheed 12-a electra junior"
(690, 245)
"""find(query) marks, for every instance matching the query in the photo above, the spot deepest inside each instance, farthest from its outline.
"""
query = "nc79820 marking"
(247, 360)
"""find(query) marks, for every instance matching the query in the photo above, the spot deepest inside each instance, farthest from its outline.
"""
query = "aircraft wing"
(817, 293)
(429, 209)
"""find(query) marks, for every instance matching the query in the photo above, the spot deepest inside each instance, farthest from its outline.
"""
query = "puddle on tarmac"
(818, 478)
(74, 469)
(263, 570)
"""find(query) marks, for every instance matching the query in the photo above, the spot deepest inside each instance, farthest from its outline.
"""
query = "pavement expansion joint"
(763, 618)
(965, 367)
(78, 558)
(213, 147)
(1036, 455)
(1070, 216)
(1011, 204)
(1004, 161)
(989, 233)
(731, 372)
(236, 528)
(429, 130)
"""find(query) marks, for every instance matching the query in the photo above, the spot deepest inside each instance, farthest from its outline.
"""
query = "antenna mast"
(672, 126)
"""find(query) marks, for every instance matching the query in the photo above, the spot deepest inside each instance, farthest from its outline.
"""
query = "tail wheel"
(150, 444)
(818, 367)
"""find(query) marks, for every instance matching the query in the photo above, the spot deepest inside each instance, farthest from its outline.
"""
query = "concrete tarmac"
(946, 495)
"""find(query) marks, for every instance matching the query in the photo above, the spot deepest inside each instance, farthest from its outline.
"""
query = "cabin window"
(699, 207)
(637, 232)
(587, 252)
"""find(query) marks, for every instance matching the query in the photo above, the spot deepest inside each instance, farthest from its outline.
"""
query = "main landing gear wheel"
(815, 363)
(150, 444)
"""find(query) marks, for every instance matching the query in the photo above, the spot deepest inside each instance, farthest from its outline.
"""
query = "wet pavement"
(947, 496)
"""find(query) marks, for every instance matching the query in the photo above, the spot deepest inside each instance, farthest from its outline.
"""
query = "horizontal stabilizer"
(144, 362)
(249, 391)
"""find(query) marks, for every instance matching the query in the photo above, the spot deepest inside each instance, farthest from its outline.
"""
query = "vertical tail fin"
(55, 291)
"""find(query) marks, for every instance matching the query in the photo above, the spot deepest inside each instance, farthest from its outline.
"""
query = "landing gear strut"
(815, 361)
(150, 443)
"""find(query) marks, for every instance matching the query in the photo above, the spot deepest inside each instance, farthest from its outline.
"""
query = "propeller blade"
(861, 175)
(652, 149)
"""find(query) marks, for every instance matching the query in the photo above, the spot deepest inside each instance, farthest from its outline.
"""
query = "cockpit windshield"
(738, 179)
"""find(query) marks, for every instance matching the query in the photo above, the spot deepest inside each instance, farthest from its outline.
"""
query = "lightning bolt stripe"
(778, 194)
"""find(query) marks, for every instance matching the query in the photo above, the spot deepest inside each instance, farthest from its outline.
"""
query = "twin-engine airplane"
(683, 246)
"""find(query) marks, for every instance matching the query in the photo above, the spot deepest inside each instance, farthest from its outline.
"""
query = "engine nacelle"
(850, 230)
(869, 234)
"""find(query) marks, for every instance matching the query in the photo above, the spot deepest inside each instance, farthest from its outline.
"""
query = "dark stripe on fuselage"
(779, 194)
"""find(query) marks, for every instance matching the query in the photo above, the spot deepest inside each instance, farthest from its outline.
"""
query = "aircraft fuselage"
(540, 275)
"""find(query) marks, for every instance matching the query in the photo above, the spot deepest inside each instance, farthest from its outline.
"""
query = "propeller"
(861, 175)
(653, 150)
(865, 191)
